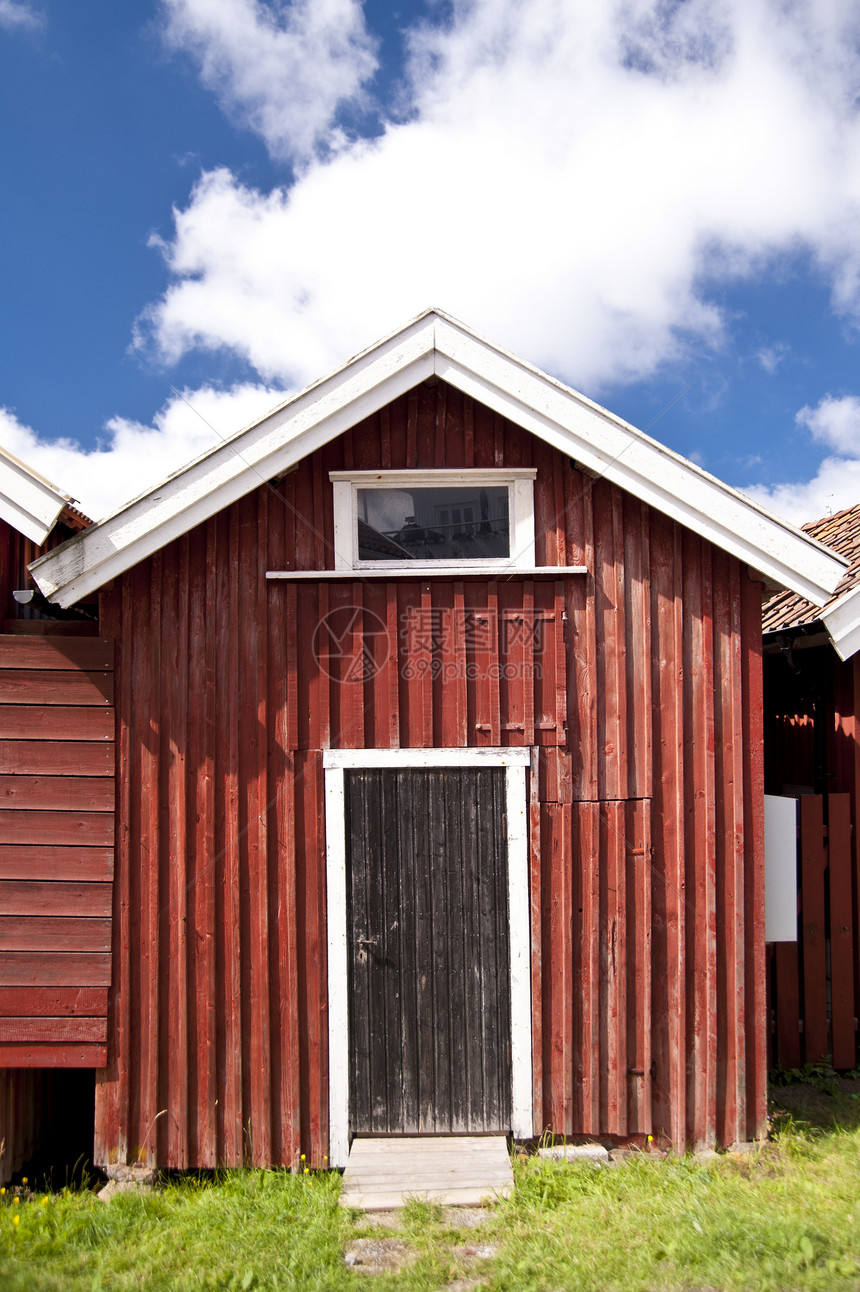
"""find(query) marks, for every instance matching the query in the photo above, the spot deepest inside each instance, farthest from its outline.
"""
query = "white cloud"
(835, 485)
(134, 457)
(283, 69)
(18, 14)
(771, 356)
(567, 179)
(834, 422)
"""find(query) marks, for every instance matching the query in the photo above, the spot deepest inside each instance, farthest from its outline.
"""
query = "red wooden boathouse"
(439, 779)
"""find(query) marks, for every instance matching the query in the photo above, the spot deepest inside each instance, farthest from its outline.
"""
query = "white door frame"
(515, 761)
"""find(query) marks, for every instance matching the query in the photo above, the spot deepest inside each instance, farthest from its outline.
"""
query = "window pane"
(442, 523)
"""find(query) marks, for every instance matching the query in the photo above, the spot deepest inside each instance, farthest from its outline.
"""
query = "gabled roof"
(840, 615)
(29, 502)
(436, 345)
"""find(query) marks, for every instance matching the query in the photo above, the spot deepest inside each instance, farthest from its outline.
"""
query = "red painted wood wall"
(645, 800)
(56, 849)
(812, 750)
(55, 894)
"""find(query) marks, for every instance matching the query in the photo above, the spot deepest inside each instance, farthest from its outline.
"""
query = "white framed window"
(434, 520)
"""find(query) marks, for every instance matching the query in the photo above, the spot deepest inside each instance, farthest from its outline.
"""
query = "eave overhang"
(28, 502)
(436, 345)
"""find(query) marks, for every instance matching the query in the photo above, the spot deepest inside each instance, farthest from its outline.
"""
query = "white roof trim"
(28, 502)
(434, 344)
(842, 621)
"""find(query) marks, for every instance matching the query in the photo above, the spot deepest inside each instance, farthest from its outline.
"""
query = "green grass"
(787, 1217)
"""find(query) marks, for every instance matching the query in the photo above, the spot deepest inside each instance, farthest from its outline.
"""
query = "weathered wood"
(60, 687)
(537, 940)
(175, 651)
(54, 933)
(202, 1077)
(700, 889)
(428, 951)
(312, 955)
(56, 758)
(669, 973)
(82, 829)
(557, 992)
(586, 937)
(730, 878)
(52, 1031)
(54, 968)
(26, 1054)
(55, 862)
(54, 898)
(613, 1013)
(842, 947)
(453, 1170)
(53, 1002)
(57, 793)
(89, 654)
(113, 1079)
(57, 722)
(637, 841)
(754, 899)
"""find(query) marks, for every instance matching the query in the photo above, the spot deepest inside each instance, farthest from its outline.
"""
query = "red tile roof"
(841, 532)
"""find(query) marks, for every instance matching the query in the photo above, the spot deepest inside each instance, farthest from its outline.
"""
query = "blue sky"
(209, 203)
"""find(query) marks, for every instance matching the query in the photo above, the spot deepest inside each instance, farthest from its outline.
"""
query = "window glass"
(440, 523)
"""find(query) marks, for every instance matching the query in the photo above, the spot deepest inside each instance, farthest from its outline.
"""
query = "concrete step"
(385, 1172)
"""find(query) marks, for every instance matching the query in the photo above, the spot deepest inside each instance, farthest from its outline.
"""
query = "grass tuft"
(784, 1217)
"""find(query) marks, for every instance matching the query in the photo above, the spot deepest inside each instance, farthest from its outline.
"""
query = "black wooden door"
(429, 957)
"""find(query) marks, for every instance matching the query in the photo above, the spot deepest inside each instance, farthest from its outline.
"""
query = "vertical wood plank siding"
(811, 752)
(633, 684)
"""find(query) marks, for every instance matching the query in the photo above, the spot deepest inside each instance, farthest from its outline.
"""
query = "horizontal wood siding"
(632, 684)
(56, 848)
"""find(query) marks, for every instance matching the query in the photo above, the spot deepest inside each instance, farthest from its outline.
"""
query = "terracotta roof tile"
(840, 531)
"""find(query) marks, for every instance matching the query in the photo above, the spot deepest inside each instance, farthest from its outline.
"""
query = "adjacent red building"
(56, 780)
(812, 754)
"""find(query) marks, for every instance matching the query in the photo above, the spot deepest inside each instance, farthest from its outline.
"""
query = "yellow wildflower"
(307, 1170)
(16, 1220)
